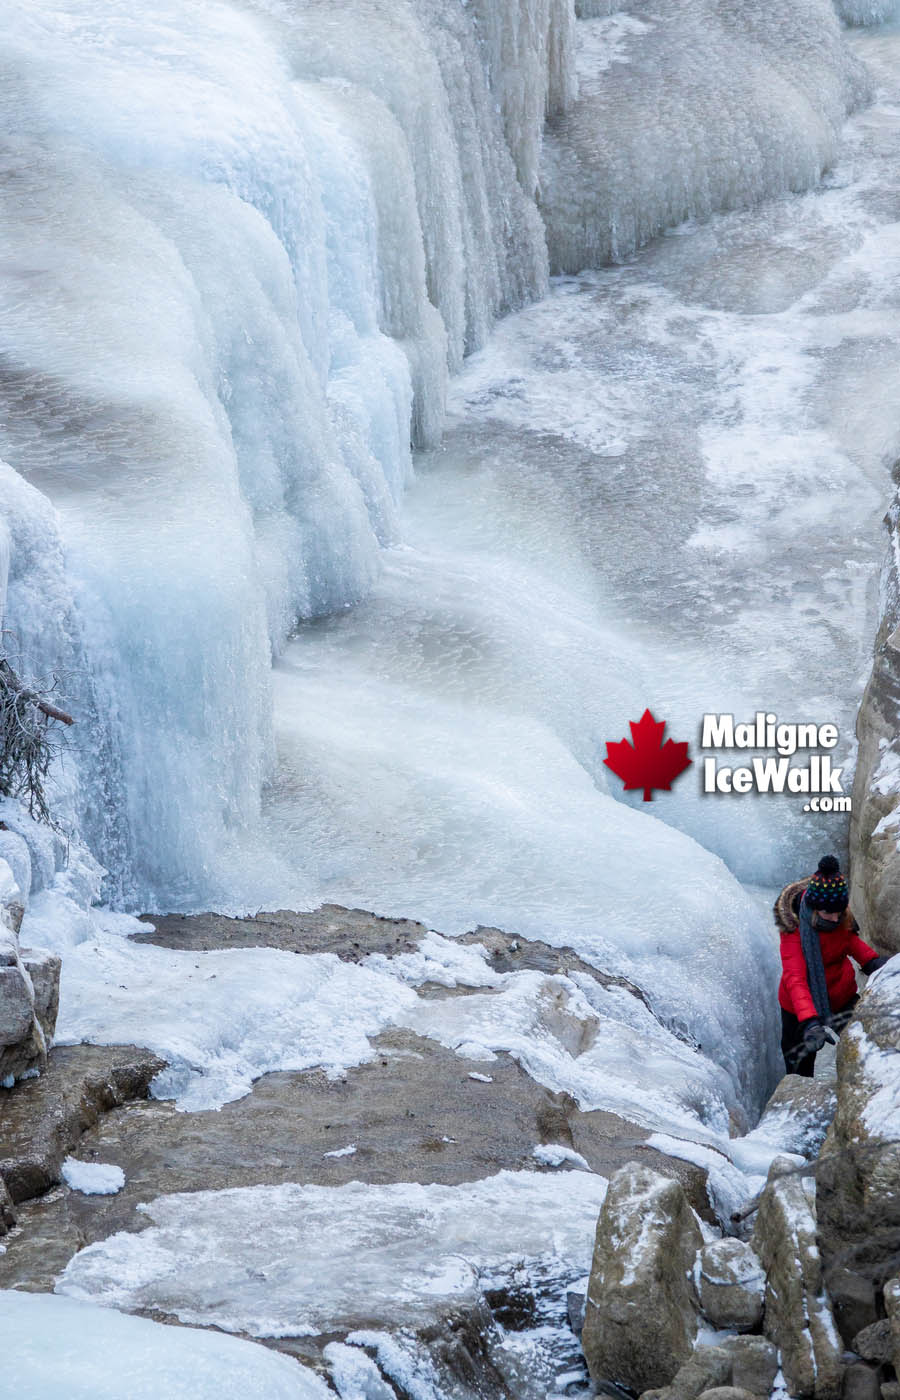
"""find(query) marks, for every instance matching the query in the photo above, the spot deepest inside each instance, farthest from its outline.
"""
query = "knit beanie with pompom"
(828, 889)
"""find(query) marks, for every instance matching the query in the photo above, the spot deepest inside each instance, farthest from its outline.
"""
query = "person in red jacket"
(819, 936)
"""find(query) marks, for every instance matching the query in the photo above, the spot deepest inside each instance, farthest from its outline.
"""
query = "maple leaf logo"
(647, 763)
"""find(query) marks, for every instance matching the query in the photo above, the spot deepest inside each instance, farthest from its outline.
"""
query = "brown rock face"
(798, 1316)
(44, 1118)
(641, 1317)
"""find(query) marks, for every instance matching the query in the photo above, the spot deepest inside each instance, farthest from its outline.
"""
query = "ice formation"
(246, 247)
(328, 1252)
(253, 241)
(270, 248)
(685, 109)
(866, 11)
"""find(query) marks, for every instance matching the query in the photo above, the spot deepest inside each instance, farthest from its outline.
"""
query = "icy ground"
(54, 1347)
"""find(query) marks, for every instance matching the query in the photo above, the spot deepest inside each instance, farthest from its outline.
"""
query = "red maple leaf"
(648, 763)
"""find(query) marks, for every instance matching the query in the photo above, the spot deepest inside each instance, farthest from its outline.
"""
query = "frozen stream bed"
(660, 486)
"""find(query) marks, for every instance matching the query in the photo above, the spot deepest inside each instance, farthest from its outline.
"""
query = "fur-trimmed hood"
(787, 905)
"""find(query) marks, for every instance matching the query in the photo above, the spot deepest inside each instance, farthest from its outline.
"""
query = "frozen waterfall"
(245, 246)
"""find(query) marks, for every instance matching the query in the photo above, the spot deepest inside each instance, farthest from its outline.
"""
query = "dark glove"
(873, 965)
(814, 1036)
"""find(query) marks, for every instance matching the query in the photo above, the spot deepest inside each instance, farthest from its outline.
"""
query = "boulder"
(858, 1171)
(705, 1367)
(730, 1284)
(754, 1363)
(861, 1382)
(641, 1315)
(798, 1316)
(29, 1003)
(874, 1343)
(727, 1392)
(852, 1300)
(16, 1009)
(43, 968)
(890, 1390)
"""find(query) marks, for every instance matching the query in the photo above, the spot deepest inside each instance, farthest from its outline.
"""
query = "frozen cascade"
(244, 248)
(686, 109)
(867, 11)
(239, 256)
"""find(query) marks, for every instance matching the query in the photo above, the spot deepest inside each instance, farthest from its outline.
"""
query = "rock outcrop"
(29, 977)
(798, 1315)
(641, 1316)
(875, 822)
(858, 1176)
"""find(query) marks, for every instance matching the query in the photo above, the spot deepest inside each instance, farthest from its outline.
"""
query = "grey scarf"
(815, 967)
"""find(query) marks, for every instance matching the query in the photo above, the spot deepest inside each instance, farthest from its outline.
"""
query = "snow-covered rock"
(798, 1316)
(730, 1283)
(641, 1317)
(797, 1116)
(858, 1179)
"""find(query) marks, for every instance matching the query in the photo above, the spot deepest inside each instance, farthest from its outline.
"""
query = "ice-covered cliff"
(243, 246)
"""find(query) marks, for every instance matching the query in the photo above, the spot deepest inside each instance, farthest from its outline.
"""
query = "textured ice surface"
(222, 1019)
(603, 1048)
(687, 108)
(241, 248)
(93, 1178)
(294, 1260)
(55, 1347)
(866, 11)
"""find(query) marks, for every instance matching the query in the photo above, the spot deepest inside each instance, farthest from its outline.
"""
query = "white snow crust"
(554, 1154)
(55, 1347)
(221, 1019)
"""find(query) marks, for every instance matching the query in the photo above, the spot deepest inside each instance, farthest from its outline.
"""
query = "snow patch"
(93, 1178)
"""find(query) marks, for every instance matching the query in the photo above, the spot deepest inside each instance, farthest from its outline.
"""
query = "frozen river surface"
(661, 486)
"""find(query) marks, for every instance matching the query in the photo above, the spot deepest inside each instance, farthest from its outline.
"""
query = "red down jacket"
(839, 945)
